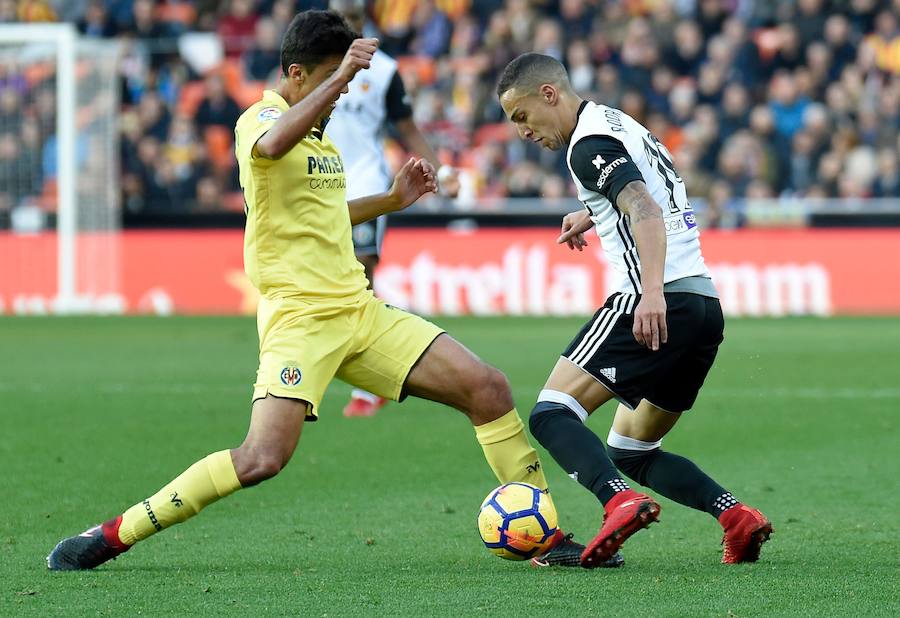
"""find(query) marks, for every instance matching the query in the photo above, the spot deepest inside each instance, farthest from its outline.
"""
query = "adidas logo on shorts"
(609, 373)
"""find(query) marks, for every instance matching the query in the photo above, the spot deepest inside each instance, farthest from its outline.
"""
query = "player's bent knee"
(255, 466)
(554, 405)
(632, 457)
(490, 392)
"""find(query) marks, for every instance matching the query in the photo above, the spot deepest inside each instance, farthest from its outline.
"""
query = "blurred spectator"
(685, 56)
(433, 29)
(35, 10)
(237, 27)
(264, 56)
(837, 36)
(217, 108)
(887, 180)
(578, 63)
(885, 42)
(810, 21)
(145, 25)
(96, 21)
(776, 148)
(786, 103)
(8, 13)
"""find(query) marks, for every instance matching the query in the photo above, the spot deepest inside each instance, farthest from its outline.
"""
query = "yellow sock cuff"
(499, 429)
(222, 473)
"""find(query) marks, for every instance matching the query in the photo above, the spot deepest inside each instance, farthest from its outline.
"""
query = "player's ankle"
(110, 531)
(619, 497)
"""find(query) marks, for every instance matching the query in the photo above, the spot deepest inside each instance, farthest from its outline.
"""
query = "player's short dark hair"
(530, 71)
(314, 36)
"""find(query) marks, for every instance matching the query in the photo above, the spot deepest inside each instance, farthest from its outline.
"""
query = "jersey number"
(660, 158)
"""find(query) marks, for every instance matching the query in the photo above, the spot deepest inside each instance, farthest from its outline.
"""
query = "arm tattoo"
(637, 203)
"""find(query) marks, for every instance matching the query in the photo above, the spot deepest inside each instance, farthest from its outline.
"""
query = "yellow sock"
(508, 452)
(199, 486)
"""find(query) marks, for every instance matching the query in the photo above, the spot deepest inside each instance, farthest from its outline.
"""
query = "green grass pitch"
(376, 516)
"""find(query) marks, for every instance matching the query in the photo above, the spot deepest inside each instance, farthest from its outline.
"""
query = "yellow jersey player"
(316, 318)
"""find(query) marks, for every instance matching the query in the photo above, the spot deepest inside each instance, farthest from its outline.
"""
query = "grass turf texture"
(377, 516)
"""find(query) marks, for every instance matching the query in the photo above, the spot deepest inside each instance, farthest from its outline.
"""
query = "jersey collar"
(581, 108)
(274, 97)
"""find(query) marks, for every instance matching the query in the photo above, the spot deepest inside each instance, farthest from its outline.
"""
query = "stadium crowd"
(755, 99)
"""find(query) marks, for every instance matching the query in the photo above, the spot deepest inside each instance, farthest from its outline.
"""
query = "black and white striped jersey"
(609, 149)
(357, 125)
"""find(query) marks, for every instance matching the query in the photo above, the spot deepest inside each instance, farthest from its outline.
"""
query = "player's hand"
(415, 179)
(650, 328)
(574, 225)
(357, 58)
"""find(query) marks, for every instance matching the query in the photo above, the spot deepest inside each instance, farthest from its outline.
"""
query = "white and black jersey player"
(376, 98)
(653, 342)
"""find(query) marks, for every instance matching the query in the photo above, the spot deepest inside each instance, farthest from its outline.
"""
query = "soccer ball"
(517, 521)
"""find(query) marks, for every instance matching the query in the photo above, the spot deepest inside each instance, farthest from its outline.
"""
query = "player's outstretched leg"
(274, 430)
(450, 374)
(679, 479)
(557, 423)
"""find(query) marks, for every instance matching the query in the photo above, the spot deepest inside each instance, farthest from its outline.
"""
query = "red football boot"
(364, 406)
(746, 529)
(627, 512)
(89, 549)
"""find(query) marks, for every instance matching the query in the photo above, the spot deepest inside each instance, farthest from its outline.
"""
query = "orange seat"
(423, 68)
(190, 97)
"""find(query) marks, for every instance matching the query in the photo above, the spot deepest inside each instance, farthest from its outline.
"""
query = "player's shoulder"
(602, 120)
(265, 109)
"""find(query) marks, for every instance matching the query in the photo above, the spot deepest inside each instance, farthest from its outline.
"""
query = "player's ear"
(549, 93)
(297, 74)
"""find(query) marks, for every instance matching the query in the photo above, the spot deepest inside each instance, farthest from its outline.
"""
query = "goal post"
(59, 180)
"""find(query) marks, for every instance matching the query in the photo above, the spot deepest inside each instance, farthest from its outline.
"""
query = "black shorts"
(669, 378)
(368, 236)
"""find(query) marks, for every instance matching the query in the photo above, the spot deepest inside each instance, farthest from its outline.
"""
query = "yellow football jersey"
(297, 242)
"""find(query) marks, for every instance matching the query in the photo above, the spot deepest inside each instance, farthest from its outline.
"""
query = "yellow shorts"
(365, 342)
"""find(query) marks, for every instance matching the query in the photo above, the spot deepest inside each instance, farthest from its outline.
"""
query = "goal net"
(59, 178)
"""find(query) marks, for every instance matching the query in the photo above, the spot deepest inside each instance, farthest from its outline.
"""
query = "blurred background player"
(377, 98)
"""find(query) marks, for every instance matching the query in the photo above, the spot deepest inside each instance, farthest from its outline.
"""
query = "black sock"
(576, 448)
(675, 477)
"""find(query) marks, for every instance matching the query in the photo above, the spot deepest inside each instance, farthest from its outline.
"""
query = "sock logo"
(152, 516)
(533, 467)
(176, 500)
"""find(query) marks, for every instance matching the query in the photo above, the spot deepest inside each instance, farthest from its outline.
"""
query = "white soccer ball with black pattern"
(517, 521)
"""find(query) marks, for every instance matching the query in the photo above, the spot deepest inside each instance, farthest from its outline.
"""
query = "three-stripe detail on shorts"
(601, 327)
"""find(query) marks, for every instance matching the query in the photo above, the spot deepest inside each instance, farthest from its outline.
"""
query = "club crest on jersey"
(290, 375)
(267, 114)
